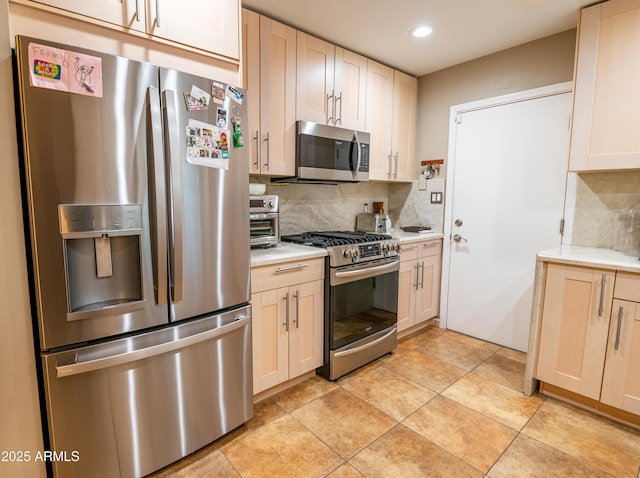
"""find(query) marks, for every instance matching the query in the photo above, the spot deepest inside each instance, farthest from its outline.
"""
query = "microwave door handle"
(175, 194)
(354, 172)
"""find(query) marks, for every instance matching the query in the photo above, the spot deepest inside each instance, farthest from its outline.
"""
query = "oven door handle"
(355, 350)
(366, 272)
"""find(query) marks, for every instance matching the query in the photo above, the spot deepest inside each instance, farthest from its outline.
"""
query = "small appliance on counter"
(263, 221)
(376, 221)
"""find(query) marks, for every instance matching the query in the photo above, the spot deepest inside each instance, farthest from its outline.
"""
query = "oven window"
(363, 307)
(262, 227)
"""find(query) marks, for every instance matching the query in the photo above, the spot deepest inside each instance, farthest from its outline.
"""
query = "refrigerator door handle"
(152, 351)
(175, 193)
(157, 197)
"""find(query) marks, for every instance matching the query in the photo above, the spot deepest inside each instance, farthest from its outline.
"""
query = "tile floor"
(443, 404)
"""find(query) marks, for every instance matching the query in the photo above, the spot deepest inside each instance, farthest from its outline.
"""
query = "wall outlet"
(436, 198)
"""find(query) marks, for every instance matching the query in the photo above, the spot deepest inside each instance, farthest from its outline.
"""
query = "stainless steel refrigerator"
(136, 187)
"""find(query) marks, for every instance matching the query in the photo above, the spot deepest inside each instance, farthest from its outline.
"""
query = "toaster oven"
(263, 221)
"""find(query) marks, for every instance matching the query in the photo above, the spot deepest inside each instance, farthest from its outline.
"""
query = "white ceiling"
(462, 29)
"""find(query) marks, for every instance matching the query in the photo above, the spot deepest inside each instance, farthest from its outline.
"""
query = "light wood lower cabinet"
(575, 323)
(288, 313)
(621, 380)
(419, 283)
(590, 335)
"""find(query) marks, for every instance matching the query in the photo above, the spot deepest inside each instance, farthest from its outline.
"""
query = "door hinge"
(458, 119)
(561, 227)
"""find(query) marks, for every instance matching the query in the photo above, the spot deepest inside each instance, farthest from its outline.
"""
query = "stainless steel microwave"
(331, 154)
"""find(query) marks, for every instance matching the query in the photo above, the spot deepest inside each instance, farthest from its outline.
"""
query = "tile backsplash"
(308, 207)
(596, 199)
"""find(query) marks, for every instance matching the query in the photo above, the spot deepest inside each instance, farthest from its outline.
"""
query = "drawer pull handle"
(620, 312)
(291, 268)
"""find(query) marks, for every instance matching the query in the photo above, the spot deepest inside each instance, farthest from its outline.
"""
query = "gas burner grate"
(334, 238)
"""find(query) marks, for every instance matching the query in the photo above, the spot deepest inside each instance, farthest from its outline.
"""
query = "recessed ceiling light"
(421, 31)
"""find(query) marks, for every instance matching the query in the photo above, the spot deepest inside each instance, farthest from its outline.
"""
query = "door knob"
(458, 238)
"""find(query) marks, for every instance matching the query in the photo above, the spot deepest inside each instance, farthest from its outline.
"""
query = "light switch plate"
(436, 198)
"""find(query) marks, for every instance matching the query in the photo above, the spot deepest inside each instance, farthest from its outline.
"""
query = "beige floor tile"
(303, 393)
(587, 437)
(283, 449)
(419, 339)
(403, 453)
(527, 457)
(343, 421)
(345, 471)
(502, 369)
(469, 435)
(472, 341)
(451, 349)
(203, 463)
(389, 392)
(265, 412)
(496, 401)
(512, 354)
(426, 370)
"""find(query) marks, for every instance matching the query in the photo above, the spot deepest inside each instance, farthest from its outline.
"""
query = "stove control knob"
(355, 253)
(386, 247)
(346, 253)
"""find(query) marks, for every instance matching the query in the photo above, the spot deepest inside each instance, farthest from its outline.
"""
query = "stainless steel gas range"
(361, 297)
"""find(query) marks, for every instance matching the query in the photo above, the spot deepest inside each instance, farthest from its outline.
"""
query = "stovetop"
(334, 238)
(349, 247)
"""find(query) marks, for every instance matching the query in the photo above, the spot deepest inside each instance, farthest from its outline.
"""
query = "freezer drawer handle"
(119, 359)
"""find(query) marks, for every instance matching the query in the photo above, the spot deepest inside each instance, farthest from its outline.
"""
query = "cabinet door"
(606, 115)
(621, 381)
(127, 13)
(407, 280)
(251, 81)
(210, 25)
(378, 119)
(306, 327)
(403, 133)
(428, 297)
(351, 88)
(315, 80)
(270, 339)
(575, 323)
(277, 98)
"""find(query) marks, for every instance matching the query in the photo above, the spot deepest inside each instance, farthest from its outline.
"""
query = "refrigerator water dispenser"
(102, 253)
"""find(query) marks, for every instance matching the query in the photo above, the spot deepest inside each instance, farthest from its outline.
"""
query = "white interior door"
(505, 198)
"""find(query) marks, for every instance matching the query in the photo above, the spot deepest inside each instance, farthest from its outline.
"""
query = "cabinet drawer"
(429, 248)
(627, 286)
(285, 274)
(408, 252)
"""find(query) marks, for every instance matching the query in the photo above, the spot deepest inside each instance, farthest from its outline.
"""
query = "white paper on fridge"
(207, 145)
(64, 70)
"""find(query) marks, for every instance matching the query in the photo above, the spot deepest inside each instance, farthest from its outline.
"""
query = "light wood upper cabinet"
(209, 25)
(331, 84)
(391, 111)
(575, 325)
(269, 53)
(127, 13)
(606, 114)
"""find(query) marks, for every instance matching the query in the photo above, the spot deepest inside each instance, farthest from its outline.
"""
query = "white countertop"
(408, 237)
(591, 257)
(283, 252)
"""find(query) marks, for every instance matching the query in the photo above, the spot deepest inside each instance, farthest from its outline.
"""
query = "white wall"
(19, 407)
